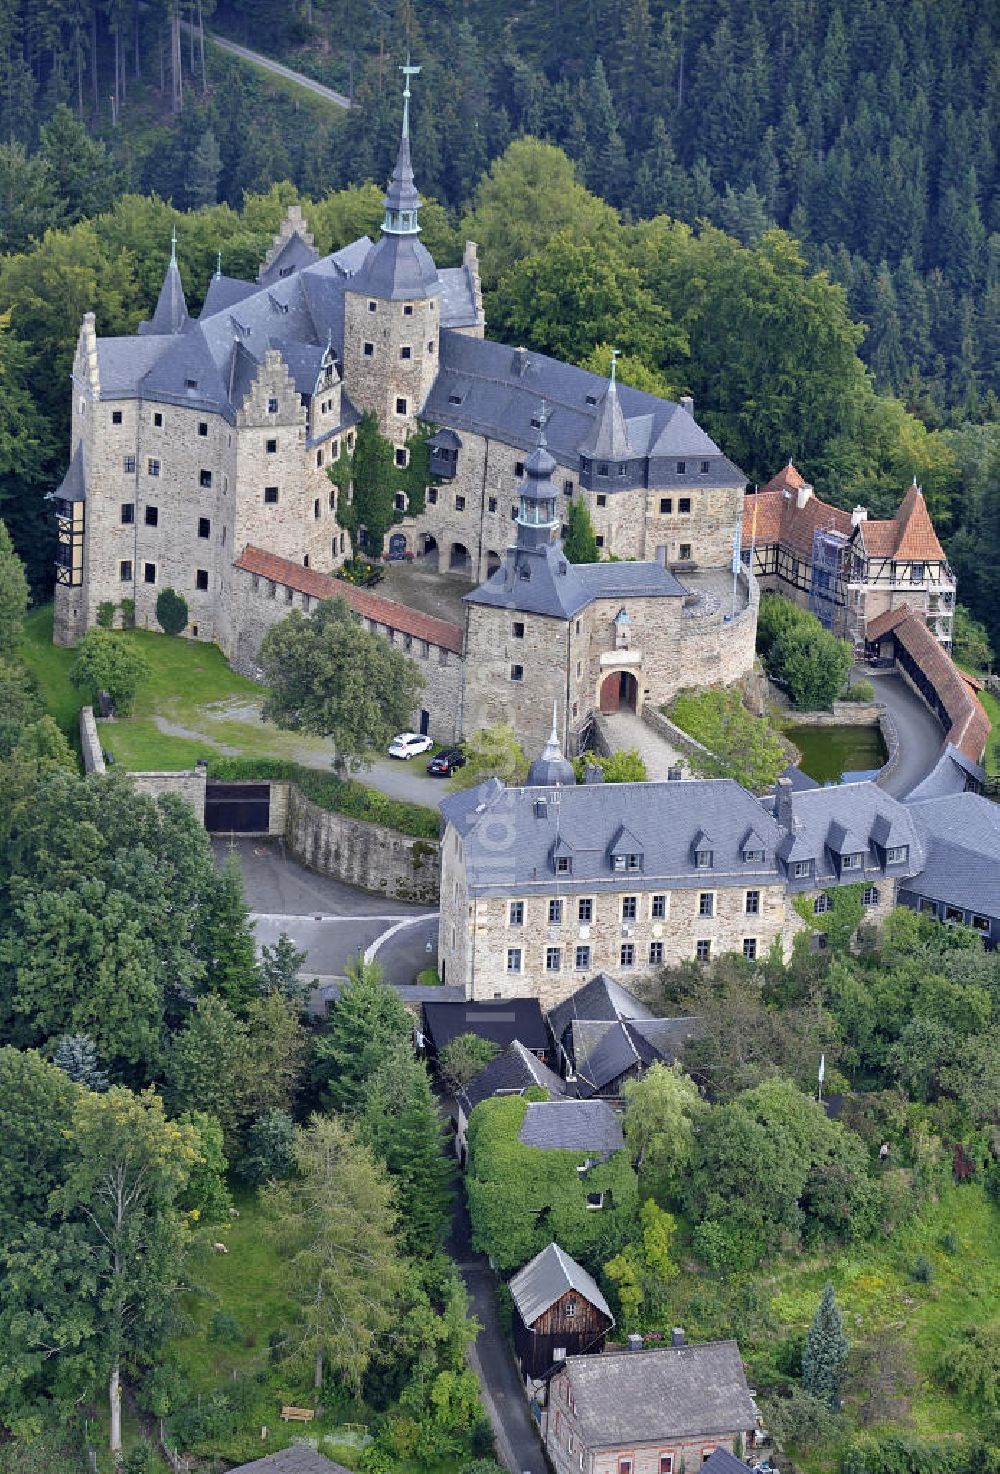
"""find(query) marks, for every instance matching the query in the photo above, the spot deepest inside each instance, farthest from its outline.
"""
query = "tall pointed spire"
(171, 308)
(402, 203)
(551, 769)
(608, 440)
(218, 264)
(173, 246)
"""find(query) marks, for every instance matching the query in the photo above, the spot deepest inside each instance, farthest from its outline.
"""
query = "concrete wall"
(90, 742)
(367, 855)
(189, 786)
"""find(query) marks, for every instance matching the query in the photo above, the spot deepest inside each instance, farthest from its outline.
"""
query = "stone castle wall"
(190, 786)
(378, 379)
(367, 855)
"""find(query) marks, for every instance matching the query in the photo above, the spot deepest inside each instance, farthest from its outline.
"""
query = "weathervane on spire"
(173, 245)
(543, 420)
(408, 72)
(614, 360)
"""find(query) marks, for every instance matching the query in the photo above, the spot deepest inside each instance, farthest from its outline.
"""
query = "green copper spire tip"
(408, 72)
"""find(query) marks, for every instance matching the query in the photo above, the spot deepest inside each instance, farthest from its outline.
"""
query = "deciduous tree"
(107, 661)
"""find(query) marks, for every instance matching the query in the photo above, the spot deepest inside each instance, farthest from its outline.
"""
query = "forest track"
(276, 67)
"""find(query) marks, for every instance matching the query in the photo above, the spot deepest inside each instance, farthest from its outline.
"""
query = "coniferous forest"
(866, 132)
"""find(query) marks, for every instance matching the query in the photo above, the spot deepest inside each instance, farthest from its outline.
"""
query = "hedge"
(336, 794)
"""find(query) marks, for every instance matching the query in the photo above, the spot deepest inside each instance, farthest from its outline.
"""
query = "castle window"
(553, 959)
(432, 495)
(153, 467)
(627, 954)
(684, 506)
(317, 508)
(703, 859)
(369, 350)
(555, 912)
(706, 903)
(582, 959)
(703, 950)
(460, 504)
(703, 468)
(801, 869)
(400, 457)
(125, 571)
(567, 488)
(270, 495)
(599, 540)
(658, 910)
(513, 959)
(685, 552)
(517, 629)
(149, 572)
(602, 468)
(682, 468)
(602, 500)
(152, 516)
(492, 504)
(870, 896)
(622, 468)
(656, 953)
(430, 346)
(406, 351)
(517, 672)
(750, 948)
(752, 903)
(319, 457)
(518, 468)
(128, 465)
(454, 399)
(564, 864)
(350, 440)
(753, 857)
(513, 514)
(850, 862)
(289, 595)
(666, 505)
(201, 579)
(372, 306)
(585, 911)
(128, 513)
(821, 905)
(157, 419)
(516, 916)
(401, 405)
(629, 905)
(223, 537)
(399, 502)
(204, 527)
(407, 309)
(203, 427)
(116, 417)
(255, 582)
(205, 479)
(271, 446)
(272, 406)
(272, 589)
(571, 1311)
(897, 855)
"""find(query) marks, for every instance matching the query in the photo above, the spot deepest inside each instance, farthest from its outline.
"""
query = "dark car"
(444, 763)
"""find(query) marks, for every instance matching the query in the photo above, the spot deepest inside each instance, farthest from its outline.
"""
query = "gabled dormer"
(753, 848)
(703, 850)
(889, 842)
(625, 854)
(561, 857)
(848, 850)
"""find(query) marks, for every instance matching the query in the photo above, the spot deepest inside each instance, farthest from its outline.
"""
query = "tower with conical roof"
(171, 312)
(392, 307)
(552, 769)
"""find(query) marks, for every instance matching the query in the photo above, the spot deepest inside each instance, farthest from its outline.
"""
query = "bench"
(297, 1414)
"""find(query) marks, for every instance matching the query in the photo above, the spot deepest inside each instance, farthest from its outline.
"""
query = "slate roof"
(502, 1021)
(298, 1459)
(961, 837)
(665, 816)
(548, 1277)
(625, 1398)
(398, 268)
(512, 1072)
(499, 390)
(601, 1052)
(170, 314)
(969, 725)
(723, 1461)
(541, 580)
(599, 999)
(952, 773)
(73, 486)
(841, 819)
(363, 601)
(571, 1125)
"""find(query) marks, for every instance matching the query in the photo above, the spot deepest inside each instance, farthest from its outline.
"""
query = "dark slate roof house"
(514, 1018)
(511, 1073)
(572, 1125)
(604, 1036)
(298, 1459)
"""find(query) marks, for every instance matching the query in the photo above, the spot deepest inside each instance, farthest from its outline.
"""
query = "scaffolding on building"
(826, 584)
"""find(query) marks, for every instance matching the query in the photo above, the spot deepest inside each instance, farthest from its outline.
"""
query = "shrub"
(922, 1270)
(745, 747)
(810, 662)
(949, 1243)
(619, 767)
(224, 1327)
(106, 614)
(859, 691)
(128, 614)
(171, 612)
(462, 1058)
(106, 662)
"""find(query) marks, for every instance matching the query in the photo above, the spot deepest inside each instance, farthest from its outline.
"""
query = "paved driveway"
(921, 737)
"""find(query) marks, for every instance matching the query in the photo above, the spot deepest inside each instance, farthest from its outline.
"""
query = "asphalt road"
(921, 737)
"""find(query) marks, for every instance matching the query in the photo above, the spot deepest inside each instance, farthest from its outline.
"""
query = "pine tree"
(580, 543)
(824, 1357)
(369, 1024)
(204, 168)
(402, 1125)
(76, 1056)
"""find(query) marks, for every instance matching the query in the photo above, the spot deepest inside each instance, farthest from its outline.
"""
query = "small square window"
(158, 419)
(582, 959)
(204, 527)
(518, 468)
(516, 913)
(553, 959)
(703, 859)
(801, 869)
(407, 309)
(585, 910)
(752, 904)
(271, 447)
(128, 513)
(492, 503)
(205, 479)
(372, 306)
(602, 469)
(517, 629)
(821, 905)
(703, 469)
(703, 950)
(401, 405)
(270, 495)
(289, 595)
(203, 427)
(627, 955)
(513, 959)
(272, 406)
(656, 954)
(666, 1464)
(128, 465)
(684, 505)
(460, 504)
(599, 540)
(152, 516)
(602, 500)
(517, 672)
(399, 501)
(201, 579)
(567, 488)
(658, 909)
(369, 350)
(153, 467)
(750, 948)
(125, 571)
(149, 572)
(685, 552)
(564, 864)
(666, 505)
(555, 912)
(406, 351)
(116, 417)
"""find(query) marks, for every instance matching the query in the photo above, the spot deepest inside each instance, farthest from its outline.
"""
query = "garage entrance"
(237, 808)
(619, 690)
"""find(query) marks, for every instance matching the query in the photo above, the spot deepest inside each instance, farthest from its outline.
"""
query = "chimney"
(593, 773)
(859, 515)
(677, 1336)
(783, 802)
(687, 403)
(634, 1342)
(802, 496)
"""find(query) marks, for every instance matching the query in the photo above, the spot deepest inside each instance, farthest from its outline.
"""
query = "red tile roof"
(369, 605)
(789, 478)
(780, 520)
(910, 534)
(970, 725)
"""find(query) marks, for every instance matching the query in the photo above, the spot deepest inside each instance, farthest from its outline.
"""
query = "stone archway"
(493, 561)
(459, 560)
(619, 692)
(429, 550)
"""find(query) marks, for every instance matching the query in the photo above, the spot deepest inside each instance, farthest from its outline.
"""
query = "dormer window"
(801, 869)
(682, 468)
(602, 468)
(625, 862)
(851, 862)
(897, 855)
(703, 859)
(753, 857)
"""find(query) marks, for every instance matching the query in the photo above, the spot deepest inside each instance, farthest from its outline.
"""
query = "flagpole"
(822, 1072)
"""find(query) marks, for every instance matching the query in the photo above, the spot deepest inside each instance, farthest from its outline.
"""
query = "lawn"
(992, 759)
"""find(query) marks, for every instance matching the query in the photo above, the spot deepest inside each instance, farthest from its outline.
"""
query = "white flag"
(822, 1067)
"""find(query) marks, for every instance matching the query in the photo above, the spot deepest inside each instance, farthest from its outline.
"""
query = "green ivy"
(371, 461)
(845, 915)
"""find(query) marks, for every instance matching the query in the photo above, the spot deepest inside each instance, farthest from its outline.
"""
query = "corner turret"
(171, 312)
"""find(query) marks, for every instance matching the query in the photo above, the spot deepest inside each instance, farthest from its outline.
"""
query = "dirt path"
(277, 67)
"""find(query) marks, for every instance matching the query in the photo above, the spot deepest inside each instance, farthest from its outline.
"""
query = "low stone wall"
(90, 742)
(371, 856)
(843, 714)
(189, 785)
(674, 734)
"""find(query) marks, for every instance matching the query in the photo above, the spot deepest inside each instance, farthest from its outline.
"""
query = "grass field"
(992, 760)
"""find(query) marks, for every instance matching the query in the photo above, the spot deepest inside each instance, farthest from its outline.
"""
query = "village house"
(603, 1036)
(660, 1411)
(559, 1311)
(510, 1073)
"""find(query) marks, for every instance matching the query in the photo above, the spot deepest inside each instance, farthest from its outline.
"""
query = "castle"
(201, 449)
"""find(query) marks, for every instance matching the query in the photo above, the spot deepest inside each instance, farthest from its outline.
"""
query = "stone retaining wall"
(843, 714)
(675, 735)
(371, 856)
(90, 742)
(189, 785)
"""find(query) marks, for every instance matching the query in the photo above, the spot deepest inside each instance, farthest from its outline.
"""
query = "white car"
(409, 744)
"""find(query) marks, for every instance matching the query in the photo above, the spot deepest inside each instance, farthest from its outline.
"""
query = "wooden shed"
(558, 1312)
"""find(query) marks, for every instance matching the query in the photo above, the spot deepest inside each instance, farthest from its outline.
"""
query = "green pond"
(839, 754)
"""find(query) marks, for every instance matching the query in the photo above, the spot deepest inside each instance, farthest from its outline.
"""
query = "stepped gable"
(969, 726)
(292, 248)
(363, 602)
